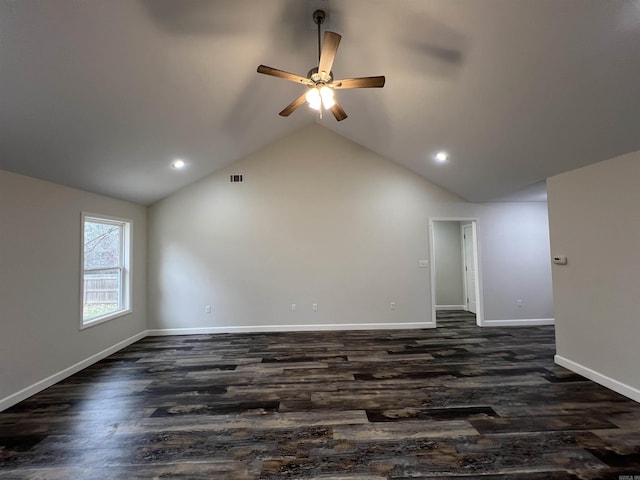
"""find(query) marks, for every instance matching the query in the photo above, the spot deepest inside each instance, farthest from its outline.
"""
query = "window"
(106, 276)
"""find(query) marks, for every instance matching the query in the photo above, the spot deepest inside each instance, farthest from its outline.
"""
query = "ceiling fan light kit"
(319, 80)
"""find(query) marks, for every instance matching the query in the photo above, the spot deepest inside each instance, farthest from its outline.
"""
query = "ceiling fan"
(320, 80)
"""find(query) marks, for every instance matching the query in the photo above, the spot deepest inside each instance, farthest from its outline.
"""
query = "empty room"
(319, 239)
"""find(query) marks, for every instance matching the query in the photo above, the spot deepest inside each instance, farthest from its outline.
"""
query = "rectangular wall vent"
(236, 178)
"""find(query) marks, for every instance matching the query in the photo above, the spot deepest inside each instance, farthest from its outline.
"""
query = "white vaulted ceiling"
(103, 94)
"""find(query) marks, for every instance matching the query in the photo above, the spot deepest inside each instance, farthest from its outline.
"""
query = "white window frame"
(124, 268)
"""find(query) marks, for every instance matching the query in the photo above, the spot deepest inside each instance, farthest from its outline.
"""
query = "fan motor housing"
(318, 78)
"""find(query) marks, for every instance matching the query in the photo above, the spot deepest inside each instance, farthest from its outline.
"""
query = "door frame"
(476, 251)
(465, 263)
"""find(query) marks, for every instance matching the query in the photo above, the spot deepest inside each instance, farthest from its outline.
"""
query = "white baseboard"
(451, 307)
(67, 372)
(524, 322)
(289, 328)
(608, 382)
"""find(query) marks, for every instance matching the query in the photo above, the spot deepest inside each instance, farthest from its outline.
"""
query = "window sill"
(105, 318)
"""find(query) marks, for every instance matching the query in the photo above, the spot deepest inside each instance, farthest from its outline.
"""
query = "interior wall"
(337, 226)
(593, 215)
(449, 280)
(40, 261)
(515, 261)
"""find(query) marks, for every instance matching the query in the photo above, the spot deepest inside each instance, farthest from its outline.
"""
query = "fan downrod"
(319, 17)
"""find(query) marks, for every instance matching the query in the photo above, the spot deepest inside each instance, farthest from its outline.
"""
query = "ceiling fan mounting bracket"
(319, 17)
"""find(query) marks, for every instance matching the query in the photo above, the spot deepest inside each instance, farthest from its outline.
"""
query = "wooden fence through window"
(101, 288)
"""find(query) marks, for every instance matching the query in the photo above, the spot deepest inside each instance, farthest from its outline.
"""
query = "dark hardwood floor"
(458, 401)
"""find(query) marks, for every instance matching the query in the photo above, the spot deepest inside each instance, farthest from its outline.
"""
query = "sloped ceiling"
(103, 94)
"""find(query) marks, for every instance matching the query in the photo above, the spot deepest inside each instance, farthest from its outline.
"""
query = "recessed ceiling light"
(442, 156)
(178, 163)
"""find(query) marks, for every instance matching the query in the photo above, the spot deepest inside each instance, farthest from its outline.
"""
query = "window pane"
(105, 281)
(101, 292)
(102, 245)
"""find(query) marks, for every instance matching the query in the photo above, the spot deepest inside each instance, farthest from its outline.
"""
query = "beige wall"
(594, 221)
(322, 220)
(40, 257)
(447, 237)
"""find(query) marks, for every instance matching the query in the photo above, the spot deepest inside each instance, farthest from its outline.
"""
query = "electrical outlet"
(314, 307)
(519, 302)
(293, 307)
(392, 305)
(207, 309)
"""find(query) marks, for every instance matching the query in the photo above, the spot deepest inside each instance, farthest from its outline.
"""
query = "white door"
(469, 268)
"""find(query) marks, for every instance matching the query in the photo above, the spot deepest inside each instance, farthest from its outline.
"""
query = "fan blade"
(363, 82)
(292, 77)
(293, 106)
(330, 44)
(338, 112)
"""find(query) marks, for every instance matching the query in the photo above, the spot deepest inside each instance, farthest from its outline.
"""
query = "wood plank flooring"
(458, 401)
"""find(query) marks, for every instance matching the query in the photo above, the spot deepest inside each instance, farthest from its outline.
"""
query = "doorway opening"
(455, 273)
